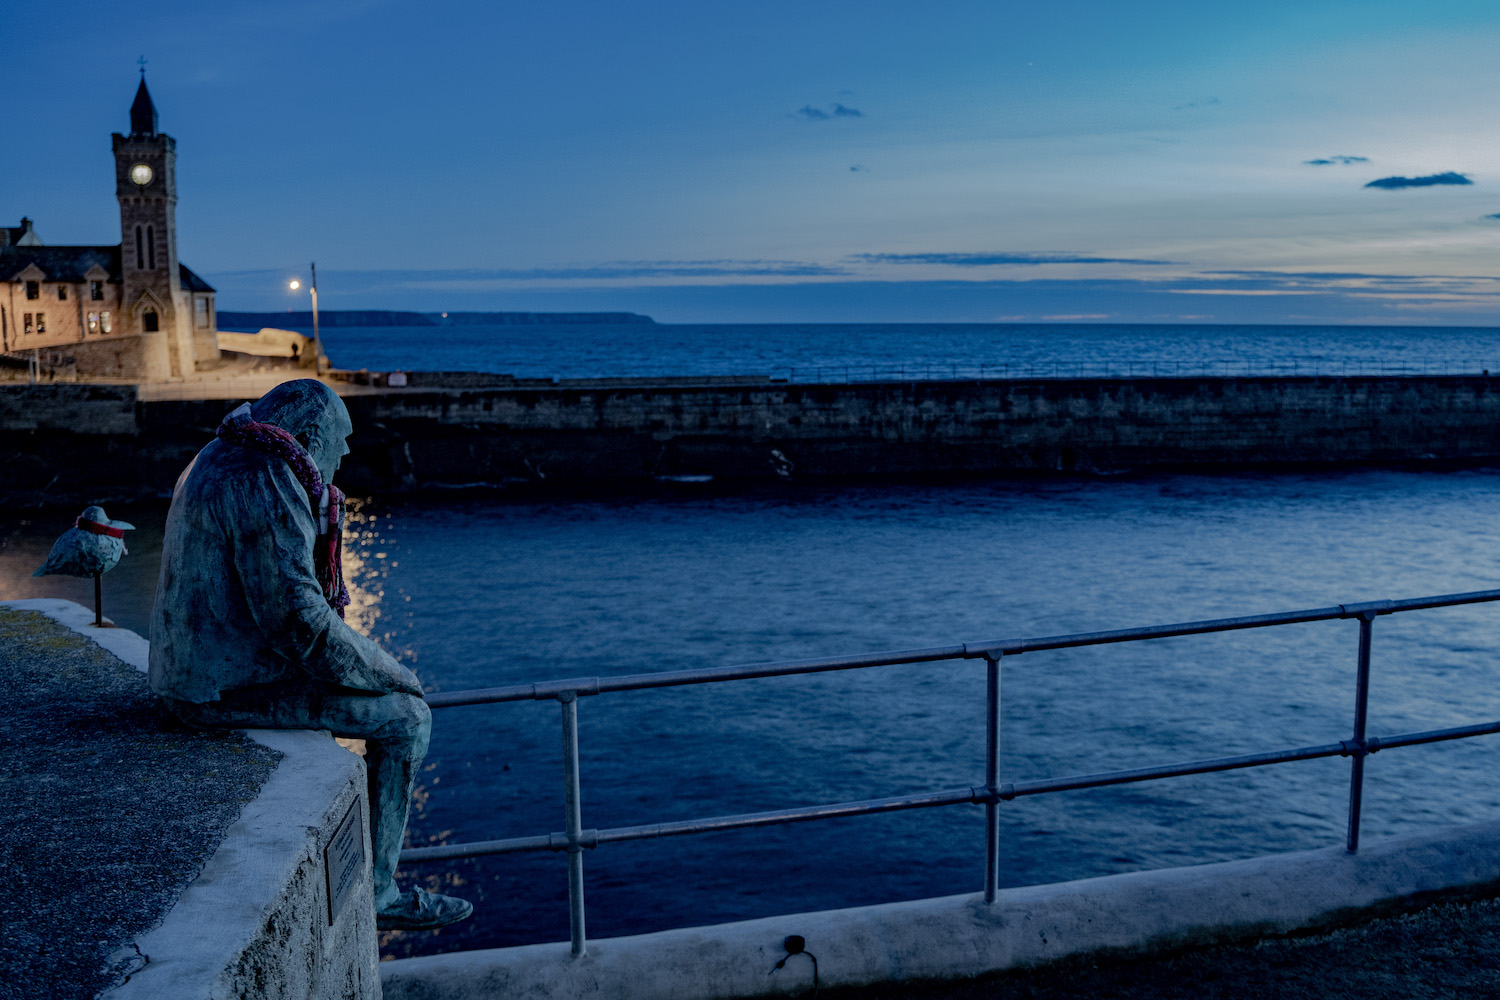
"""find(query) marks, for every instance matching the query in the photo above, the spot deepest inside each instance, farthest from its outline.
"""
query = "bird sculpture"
(92, 547)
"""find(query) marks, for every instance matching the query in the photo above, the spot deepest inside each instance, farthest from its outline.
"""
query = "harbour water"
(481, 592)
(477, 592)
(837, 351)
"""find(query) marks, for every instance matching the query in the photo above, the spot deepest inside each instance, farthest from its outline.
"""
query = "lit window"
(62, 293)
(93, 322)
(96, 291)
(33, 289)
(28, 324)
(104, 324)
(41, 323)
(200, 307)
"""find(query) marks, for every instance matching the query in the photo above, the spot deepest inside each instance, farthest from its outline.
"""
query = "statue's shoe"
(420, 910)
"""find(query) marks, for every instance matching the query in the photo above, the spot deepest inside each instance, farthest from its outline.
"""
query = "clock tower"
(146, 184)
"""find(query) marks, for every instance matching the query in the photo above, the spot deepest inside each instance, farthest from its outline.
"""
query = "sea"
(479, 591)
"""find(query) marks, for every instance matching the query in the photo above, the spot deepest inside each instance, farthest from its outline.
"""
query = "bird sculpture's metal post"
(92, 547)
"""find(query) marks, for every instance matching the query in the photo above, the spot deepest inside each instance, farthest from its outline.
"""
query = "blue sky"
(793, 161)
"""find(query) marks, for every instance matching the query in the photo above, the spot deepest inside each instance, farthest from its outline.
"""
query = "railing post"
(573, 819)
(992, 776)
(1361, 702)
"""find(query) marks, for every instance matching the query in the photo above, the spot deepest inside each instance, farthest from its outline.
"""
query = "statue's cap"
(298, 406)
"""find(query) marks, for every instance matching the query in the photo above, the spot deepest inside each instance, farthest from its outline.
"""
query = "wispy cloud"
(812, 114)
(600, 272)
(1328, 161)
(1210, 103)
(859, 168)
(994, 259)
(1430, 180)
(1495, 216)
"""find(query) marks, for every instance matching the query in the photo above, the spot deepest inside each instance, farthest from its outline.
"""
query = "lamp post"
(317, 340)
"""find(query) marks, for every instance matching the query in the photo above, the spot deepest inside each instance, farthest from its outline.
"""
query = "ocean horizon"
(845, 351)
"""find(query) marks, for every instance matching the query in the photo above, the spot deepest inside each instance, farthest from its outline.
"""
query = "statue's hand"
(401, 680)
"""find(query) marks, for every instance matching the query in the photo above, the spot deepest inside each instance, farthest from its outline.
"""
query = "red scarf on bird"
(99, 529)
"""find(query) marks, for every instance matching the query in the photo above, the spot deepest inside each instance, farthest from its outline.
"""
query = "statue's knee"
(414, 721)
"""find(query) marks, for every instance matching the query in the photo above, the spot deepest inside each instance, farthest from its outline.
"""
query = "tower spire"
(143, 111)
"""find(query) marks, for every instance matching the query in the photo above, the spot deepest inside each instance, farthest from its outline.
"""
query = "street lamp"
(294, 284)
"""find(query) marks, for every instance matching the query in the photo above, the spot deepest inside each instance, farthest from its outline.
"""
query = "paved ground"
(1446, 950)
(108, 808)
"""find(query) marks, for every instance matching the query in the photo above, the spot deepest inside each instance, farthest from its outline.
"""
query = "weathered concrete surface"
(110, 808)
(89, 410)
(154, 859)
(620, 431)
(959, 936)
(1439, 952)
(255, 921)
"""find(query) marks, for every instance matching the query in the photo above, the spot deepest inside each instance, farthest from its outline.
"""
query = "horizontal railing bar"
(1011, 647)
(679, 678)
(1103, 778)
(1435, 735)
(927, 800)
(593, 838)
(708, 675)
(478, 848)
(775, 817)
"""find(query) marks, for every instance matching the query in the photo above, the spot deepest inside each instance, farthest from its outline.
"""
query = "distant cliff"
(251, 321)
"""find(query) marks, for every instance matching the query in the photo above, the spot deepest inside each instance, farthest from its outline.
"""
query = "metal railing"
(574, 839)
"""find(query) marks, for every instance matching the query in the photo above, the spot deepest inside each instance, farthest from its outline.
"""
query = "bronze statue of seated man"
(248, 628)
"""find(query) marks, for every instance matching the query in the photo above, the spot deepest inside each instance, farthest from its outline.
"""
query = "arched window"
(148, 321)
(151, 246)
(140, 251)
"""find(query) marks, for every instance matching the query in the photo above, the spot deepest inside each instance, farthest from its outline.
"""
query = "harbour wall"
(62, 440)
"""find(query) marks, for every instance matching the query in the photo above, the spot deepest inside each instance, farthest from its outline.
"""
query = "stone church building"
(127, 310)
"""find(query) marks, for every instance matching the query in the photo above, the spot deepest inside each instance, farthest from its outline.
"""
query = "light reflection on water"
(484, 592)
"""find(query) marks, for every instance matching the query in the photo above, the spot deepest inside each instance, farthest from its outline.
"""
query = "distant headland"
(385, 317)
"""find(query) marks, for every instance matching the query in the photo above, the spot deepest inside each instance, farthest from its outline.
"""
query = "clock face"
(141, 174)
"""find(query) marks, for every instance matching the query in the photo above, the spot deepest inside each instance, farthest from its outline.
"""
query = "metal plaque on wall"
(344, 859)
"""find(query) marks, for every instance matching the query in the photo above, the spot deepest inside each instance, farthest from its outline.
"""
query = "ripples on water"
(856, 349)
(488, 592)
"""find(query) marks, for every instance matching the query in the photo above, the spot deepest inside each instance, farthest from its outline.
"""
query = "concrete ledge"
(254, 923)
(959, 936)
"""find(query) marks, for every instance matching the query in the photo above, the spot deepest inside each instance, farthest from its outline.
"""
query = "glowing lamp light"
(295, 285)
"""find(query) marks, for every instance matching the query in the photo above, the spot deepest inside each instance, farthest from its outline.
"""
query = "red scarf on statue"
(327, 501)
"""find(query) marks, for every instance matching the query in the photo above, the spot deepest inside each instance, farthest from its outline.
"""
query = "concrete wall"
(567, 433)
(129, 356)
(269, 342)
(960, 936)
(255, 922)
(589, 434)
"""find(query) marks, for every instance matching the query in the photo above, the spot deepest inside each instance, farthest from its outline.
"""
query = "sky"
(1074, 161)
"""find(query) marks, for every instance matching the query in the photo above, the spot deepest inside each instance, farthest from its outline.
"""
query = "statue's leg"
(393, 756)
(395, 728)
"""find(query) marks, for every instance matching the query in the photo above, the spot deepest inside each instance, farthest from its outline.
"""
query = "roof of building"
(22, 235)
(143, 111)
(69, 264)
(191, 282)
(72, 264)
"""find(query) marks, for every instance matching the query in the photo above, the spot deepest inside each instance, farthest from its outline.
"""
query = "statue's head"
(314, 415)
